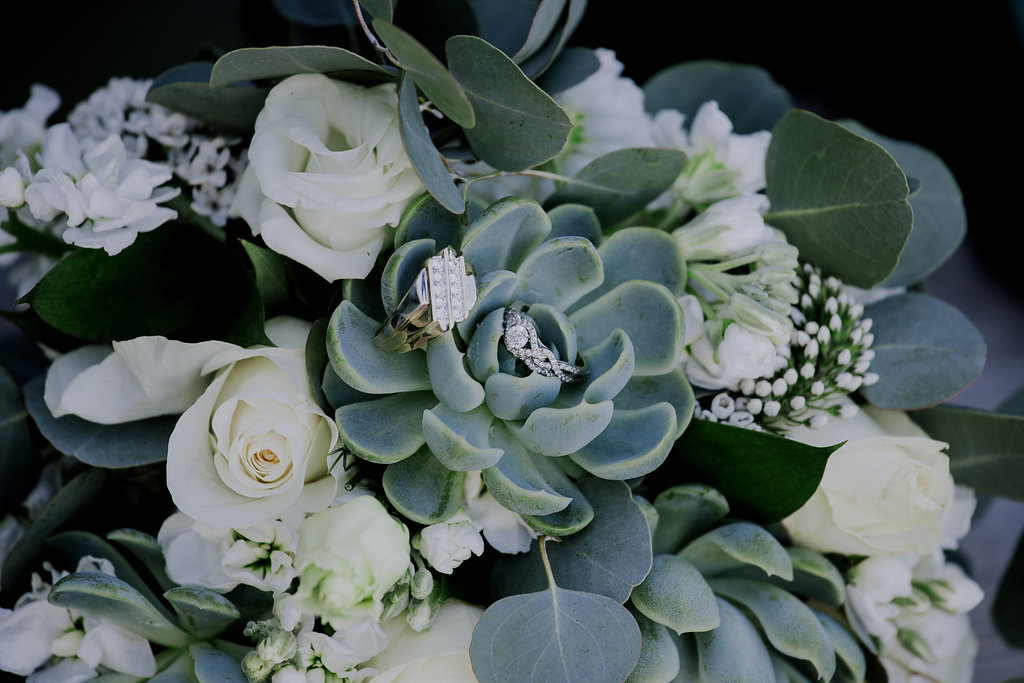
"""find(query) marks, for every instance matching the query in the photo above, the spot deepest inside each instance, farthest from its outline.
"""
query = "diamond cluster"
(452, 291)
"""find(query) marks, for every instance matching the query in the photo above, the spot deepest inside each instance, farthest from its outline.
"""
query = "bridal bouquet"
(453, 355)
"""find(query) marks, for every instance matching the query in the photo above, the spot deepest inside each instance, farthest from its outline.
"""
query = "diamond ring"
(442, 294)
(520, 337)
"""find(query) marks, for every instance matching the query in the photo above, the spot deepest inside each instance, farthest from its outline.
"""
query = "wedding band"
(442, 294)
(520, 338)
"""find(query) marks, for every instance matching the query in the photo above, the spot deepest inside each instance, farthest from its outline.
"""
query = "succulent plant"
(465, 402)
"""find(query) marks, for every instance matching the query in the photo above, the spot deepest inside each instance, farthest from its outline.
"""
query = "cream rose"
(328, 176)
(255, 442)
(884, 492)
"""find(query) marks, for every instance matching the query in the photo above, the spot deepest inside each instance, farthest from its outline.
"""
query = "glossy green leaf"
(745, 93)
(573, 65)
(677, 595)
(387, 429)
(271, 274)
(257, 63)
(460, 440)
(449, 378)
(610, 556)
(790, 626)
(620, 183)
(215, 666)
(201, 611)
(428, 73)
(734, 651)
(737, 544)
(425, 158)
(363, 363)
(635, 443)
(18, 461)
(423, 489)
(128, 444)
(111, 599)
(840, 199)
(187, 90)
(317, 12)
(925, 351)
(505, 234)
(986, 450)
(518, 125)
(659, 658)
(684, 512)
(146, 549)
(764, 477)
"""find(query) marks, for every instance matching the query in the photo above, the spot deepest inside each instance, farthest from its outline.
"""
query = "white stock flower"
(729, 228)
(22, 130)
(884, 492)
(448, 544)
(740, 354)
(328, 177)
(12, 188)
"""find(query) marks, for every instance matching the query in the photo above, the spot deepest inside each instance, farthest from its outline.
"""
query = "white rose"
(884, 492)
(255, 442)
(328, 176)
(438, 655)
(448, 544)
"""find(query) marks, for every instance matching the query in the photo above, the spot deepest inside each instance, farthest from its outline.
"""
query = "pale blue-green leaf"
(429, 74)
(786, 671)
(610, 364)
(189, 92)
(515, 398)
(671, 388)
(449, 378)
(318, 367)
(505, 234)
(180, 667)
(387, 429)
(848, 651)
(128, 444)
(423, 489)
(689, 659)
(402, 267)
(940, 222)
(747, 94)
(736, 545)
(925, 352)
(317, 12)
(610, 556)
(790, 626)
(572, 66)
(460, 440)
(336, 392)
(505, 24)
(621, 183)
(257, 63)
(561, 431)
(570, 520)
(537, 65)
(379, 9)
(518, 483)
(986, 450)
(215, 666)
(645, 311)
(559, 271)
(425, 158)
(425, 218)
(555, 635)
(147, 550)
(659, 658)
(493, 290)
(676, 595)
(482, 349)
(202, 612)
(684, 511)
(18, 461)
(633, 444)
(114, 601)
(363, 363)
(840, 199)
(734, 651)
(518, 125)
(543, 24)
(814, 577)
(575, 220)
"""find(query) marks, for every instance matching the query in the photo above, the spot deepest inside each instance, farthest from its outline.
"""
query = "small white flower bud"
(868, 339)
(806, 301)
(824, 335)
(421, 614)
(422, 584)
(723, 406)
(867, 354)
(797, 316)
(855, 383)
(831, 305)
(843, 380)
(833, 283)
(779, 387)
(870, 379)
(802, 338)
(856, 336)
(741, 418)
(849, 410)
(279, 646)
(797, 403)
(814, 289)
(866, 324)
(255, 668)
(844, 357)
(791, 376)
(755, 406)
(708, 415)
(818, 388)
(835, 322)
(857, 310)
(747, 386)
(12, 188)
(762, 388)
(811, 328)
(818, 421)
(772, 408)
(807, 371)
(741, 403)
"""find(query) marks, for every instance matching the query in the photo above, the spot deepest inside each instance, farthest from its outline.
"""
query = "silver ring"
(443, 293)
(520, 338)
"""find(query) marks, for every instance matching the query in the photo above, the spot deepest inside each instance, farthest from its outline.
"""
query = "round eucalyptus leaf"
(201, 611)
(425, 158)
(677, 595)
(572, 66)
(385, 430)
(634, 443)
(735, 545)
(925, 352)
(544, 22)
(424, 490)
(230, 108)
(257, 63)
(734, 651)
(659, 658)
(684, 511)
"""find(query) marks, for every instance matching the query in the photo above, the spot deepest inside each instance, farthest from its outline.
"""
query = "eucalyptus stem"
(545, 561)
(377, 45)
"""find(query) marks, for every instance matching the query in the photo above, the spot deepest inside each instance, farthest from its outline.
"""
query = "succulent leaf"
(385, 430)
(364, 364)
(450, 380)
(684, 511)
(737, 545)
(633, 444)
(676, 595)
(423, 489)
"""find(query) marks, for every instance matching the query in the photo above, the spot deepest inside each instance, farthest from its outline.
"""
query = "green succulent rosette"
(464, 403)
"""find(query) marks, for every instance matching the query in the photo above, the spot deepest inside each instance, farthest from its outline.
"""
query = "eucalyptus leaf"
(677, 595)
(505, 24)
(620, 183)
(573, 66)
(127, 444)
(986, 450)
(745, 93)
(518, 125)
(18, 461)
(840, 199)
(543, 24)
(111, 599)
(925, 351)
(257, 63)
(317, 12)
(560, 635)
(764, 477)
(380, 9)
(425, 158)
(423, 489)
(201, 611)
(187, 89)
(734, 651)
(215, 666)
(537, 64)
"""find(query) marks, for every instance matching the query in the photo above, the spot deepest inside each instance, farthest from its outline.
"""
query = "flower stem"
(379, 46)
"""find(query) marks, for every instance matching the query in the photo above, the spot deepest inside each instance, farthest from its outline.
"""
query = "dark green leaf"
(622, 182)
(27, 238)
(543, 24)
(746, 94)
(316, 361)
(18, 462)
(380, 9)
(257, 63)
(201, 611)
(146, 549)
(538, 64)
(555, 635)
(1013, 404)
(940, 222)
(505, 24)
(986, 450)
(925, 351)
(120, 445)
(1006, 611)
(425, 158)
(518, 125)
(764, 477)
(317, 12)
(186, 89)
(573, 65)
(271, 273)
(429, 74)
(840, 199)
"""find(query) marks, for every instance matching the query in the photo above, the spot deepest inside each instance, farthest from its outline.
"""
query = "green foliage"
(425, 158)
(186, 89)
(260, 63)
(17, 457)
